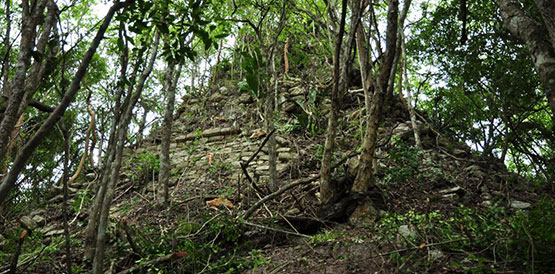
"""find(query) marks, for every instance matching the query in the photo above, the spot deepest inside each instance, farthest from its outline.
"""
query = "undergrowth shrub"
(491, 240)
(213, 246)
(144, 167)
(402, 163)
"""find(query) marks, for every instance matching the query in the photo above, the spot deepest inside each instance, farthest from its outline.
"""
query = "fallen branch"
(25, 263)
(413, 248)
(277, 229)
(279, 192)
(246, 164)
(295, 183)
(173, 256)
(15, 258)
(134, 246)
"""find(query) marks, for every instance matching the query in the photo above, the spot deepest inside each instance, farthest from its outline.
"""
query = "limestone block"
(41, 221)
(283, 149)
(211, 132)
(216, 97)
(281, 141)
(216, 138)
(55, 232)
(296, 91)
(28, 223)
(262, 168)
(285, 156)
(245, 98)
(520, 205)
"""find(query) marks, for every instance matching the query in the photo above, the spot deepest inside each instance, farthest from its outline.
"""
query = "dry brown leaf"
(258, 133)
(23, 233)
(209, 155)
(218, 202)
(178, 255)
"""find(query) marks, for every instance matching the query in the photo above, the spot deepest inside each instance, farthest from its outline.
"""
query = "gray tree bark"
(31, 18)
(366, 66)
(94, 215)
(412, 112)
(365, 176)
(327, 189)
(142, 123)
(534, 36)
(400, 35)
(547, 10)
(6, 53)
(171, 79)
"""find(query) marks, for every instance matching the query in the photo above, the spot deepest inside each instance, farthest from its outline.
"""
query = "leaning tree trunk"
(31, 145)
(365, 178)
(100, 191)
(31, 18)
(534, 36)
(327, 189)
(114, 176)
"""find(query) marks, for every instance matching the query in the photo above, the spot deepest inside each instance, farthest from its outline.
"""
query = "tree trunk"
(171, 77)
(85, 149)
(38, 69)
(366, 66)
(271, 97)
(94, 215)
(30, 21)
(215, 73)
(65, 133)
(365, 177)
(398, 52)
(533, 35)
(327, 189)
(142, 123)
(94, 136)
(6, 54)
(547, 10)
(114, 176)
(270, 107)
(412, 112)
(346, 62)
(30, 146)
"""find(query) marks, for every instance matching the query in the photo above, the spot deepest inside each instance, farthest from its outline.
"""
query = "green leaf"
(163, 28)
(252, 80)
(121, 45)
